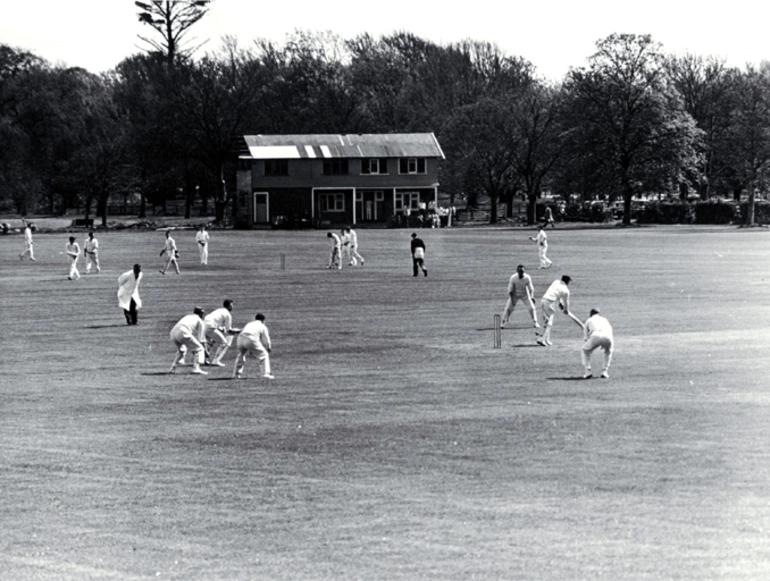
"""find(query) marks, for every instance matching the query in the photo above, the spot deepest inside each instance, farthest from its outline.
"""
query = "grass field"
(395, 442)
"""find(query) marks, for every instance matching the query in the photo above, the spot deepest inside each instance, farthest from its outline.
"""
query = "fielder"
(254, 339)
(418, 255)
(73, 251)
(542, 247)
(353, 252)
(28, 248)
(202, 238)
(91, 251)
(557, 294)
(187, 335)
(335, 258)
(218, 330)
(169, 249)
(520, 288)
(597, 332)
(128, 293)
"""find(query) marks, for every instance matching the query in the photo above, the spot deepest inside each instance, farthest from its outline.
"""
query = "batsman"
(218, 331)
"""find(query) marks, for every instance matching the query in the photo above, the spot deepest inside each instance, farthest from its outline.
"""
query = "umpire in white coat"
(128, 293)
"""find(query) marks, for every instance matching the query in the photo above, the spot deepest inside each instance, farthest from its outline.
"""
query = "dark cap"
(566, 279)
(198, 311)
(595, 312)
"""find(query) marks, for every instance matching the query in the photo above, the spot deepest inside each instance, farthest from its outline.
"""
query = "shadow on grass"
(577, 378)
(156, 373)
(107, 326)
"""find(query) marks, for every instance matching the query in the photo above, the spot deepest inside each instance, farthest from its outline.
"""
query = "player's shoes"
(541, 343)
(425, 272)
(217, 364)
(537, 325)
(199, 371)
(268, 376)
(162, 272)
(548, 342)
(605, 375)
(588, 375)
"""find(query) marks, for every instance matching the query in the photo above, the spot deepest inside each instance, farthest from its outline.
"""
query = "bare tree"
(172, 19)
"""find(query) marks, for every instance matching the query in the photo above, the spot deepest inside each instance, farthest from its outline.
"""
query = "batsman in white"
(29, 249)
(354, 255)
(597, 332)
(520, 288)
(557, 294)
(335, 258)
(218, 329)
(187, 335)
(254, 339)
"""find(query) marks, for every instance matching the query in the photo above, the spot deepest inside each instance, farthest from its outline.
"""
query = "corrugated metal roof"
(343, 146)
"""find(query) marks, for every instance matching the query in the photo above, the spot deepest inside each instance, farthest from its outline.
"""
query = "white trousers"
(245, 347)
(74, 267)
(545, 262)
(204, 252)
(594, 342)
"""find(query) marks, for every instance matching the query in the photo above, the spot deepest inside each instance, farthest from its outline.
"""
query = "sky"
(553, 35)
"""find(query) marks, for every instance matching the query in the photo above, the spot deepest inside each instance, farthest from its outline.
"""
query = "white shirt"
(191, 324)
(336, 242)
(128, 288)
(598, 325)
(353, 238)
(202, 237)
(28, 235)
(541, 239)
(170, 246)
(91, 245)
(257, 332)
(345, 239)
(218, 318)
(73, 250)
(519, 286)
(558, 292)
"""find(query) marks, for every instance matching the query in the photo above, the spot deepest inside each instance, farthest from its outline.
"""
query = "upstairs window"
(276, 167)
(411, 165)
(336, 167)
(331, 202)
(374, 166)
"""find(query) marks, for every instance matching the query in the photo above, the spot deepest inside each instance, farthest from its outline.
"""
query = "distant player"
(187, 335)
(556, 295)
(169, 249)
(345, 246)
(202, 239)
(597, 332)
(335, 257)
(520, 288)
(28, 247)
(354, 255)
(91, 252)
(418, 255)
(218, 330)
(548, 218)
(542, 247)
(255, 340)
(73, 253)
(128, 293)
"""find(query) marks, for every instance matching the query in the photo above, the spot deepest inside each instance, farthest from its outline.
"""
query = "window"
(335, 167)
(374, 166)
(409, 200)
(331, 202)
(244, 165)
(411, 165)
(276, 167)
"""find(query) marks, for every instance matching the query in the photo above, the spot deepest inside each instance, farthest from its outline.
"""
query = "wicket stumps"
(498, 332)
(283, 261)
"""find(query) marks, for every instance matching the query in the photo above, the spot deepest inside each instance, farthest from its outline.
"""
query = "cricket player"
(418, 255)
(202, 238)
(73, 252)
(91, 251)
(597, 332)
(169, 249)
(335, 258)
(28, 248)
(520, 288)
(218, 330)
(254, 339)
(557, 294)
(187, 335)
(542, 247)
(353, 253)
(345, 242)
(128, 293)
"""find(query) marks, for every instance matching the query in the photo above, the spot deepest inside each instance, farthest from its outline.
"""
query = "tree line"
(634, 121)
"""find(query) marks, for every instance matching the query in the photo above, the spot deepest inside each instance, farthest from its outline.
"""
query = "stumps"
(283, 261)
(498, 339)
